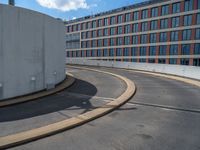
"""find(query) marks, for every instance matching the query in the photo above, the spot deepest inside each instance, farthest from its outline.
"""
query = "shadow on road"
(53, 103)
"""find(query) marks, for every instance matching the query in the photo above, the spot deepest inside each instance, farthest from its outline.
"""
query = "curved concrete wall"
(179, 70)
(32, 51)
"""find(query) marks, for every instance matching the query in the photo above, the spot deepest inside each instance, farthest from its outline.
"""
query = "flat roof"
(121, 9)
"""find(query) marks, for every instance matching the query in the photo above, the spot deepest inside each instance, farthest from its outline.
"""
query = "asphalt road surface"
(164, 114)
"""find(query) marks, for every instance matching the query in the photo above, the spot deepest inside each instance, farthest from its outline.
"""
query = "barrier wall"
(179, 70)
(32, 51)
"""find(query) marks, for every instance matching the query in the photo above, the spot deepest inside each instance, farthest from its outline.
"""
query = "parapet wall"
(32, 51)
(179, 70)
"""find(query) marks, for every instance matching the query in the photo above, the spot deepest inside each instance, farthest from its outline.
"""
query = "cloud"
(64, 5)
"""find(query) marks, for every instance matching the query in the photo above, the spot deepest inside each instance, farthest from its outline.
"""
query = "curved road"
(159, 117)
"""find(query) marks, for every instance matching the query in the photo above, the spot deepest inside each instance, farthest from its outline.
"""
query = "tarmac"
(163, 114)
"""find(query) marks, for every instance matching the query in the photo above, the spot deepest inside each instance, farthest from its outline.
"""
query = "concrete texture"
(138, 127)
(32, 51)
(65, 84)
(179, 70)
(44, 131)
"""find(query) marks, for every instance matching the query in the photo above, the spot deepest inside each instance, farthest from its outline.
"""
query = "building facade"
(157, 31)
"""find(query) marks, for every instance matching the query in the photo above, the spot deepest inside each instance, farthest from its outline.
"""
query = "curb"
(65, 84)
(37, 133)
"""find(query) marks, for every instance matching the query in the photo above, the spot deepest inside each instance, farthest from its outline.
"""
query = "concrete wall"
(32, 51)
(179, 70)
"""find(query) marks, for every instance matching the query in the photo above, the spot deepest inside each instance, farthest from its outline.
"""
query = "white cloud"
(64, 5)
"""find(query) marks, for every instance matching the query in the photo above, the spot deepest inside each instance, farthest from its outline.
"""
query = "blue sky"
(69, 9)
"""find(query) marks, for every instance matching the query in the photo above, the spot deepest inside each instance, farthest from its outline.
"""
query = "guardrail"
(179, 70)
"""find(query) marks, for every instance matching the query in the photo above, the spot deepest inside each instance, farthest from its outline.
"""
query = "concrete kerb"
(65, 84)
(34, 134)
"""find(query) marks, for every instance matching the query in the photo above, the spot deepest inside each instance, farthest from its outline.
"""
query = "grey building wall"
(32, 51)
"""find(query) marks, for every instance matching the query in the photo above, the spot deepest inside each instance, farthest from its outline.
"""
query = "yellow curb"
(65, 84)
(34, 134)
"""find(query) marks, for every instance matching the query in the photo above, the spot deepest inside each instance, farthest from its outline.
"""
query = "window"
(105, 52)
(174, 35)
(144, 26)
(176, 8)
(162, 50)
(99, 52)
(165, 10)
(94, 44)
(112, 31)
(142, 60)
(126, 51)
(88, 35)
(172, 61)
(133, 60)
(196, 62)
(74, 27)
(93, 53)
(142, 51)
(88, 25)
(144, 38)
(83, 53)
(82, 26)
(105, 21)
(111, 52)
(185, 49)
(187, 34)
(126, 40)
(153, 38)
(83, 35)
(88, 53)
(152, 50)
(173, 50)
(154, 12)
(105, 31)
(197, 49)
(198, 18)
(79, 27)
(136, 15)
(161, 61)
(99, 22)
(154, 25)
(119, 30)
(134, 51)
(188, 5)
(198, 4)
(198, 34)
(100, 43)
(151, 60)
(100, 32)
(175, 22)
(187, 20)
(119, 41)
(144, 13)
(127, 17)
(135, 39)
(112, 42)
(163, 37)
(118, 52)
(94, 33)
(105, 42)
(94, 24)
(164, 23)
(135, 27)
(184, 61)
(127, 28)
(119, 18)
(112, 20)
